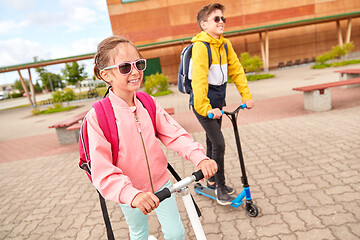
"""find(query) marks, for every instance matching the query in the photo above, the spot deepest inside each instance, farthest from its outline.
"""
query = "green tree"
(50, 81)
(18, 86)
(73, 73)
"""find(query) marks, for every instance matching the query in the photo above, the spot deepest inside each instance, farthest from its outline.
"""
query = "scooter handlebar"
(166, 192)
(210, 115)
(198, 175)
(163, 194)
(242, 106)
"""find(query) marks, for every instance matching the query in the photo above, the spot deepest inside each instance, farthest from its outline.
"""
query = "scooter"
(182, 190)
(250, 207)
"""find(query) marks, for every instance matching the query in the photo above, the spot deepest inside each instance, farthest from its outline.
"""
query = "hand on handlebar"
(215, 113)
(249, 103)
(208, 168)
(146, 202)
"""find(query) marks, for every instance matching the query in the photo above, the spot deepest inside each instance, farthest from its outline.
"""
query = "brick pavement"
(303, 169)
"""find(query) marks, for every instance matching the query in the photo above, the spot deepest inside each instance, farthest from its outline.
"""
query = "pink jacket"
(141, 165)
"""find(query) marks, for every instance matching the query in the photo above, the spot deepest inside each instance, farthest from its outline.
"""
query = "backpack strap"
(209, 52)
(106, 118)
(149, 104)
(226, 49)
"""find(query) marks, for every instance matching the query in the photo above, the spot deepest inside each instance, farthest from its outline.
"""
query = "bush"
(16, 95)
(336, 52)
(63, 96)
(158, 82)
(36, 111)
(325, 57)
(342, 51)
(57, 97)
(250, 64)
(68, 95)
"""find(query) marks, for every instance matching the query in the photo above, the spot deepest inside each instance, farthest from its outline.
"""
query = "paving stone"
(310, 219)
(316, 234)
(343, 232)
(338, 219)
(272, 230)
(295, 223)
(303, 171)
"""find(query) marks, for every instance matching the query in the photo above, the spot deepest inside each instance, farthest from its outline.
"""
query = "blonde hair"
(102, 56)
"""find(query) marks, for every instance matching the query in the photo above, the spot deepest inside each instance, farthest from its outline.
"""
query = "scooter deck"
(208, 192)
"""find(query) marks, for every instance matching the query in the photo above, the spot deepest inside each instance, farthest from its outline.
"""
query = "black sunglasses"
(218, 18)
(126, 67)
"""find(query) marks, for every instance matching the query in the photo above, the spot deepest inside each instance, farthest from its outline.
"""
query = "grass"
(259, 76)
(255, 77)
(335, 64)
(36, 111)
(162, 93)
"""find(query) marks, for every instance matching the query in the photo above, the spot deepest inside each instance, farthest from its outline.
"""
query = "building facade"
(173, 23)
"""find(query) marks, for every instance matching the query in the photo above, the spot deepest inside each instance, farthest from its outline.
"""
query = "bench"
(68, 130)
(348, 74)
(317, 97)
(170, 111)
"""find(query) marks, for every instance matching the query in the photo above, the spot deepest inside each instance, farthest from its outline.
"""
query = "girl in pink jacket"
(141, 169)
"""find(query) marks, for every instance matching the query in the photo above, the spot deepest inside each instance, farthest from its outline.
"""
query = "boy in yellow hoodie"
(209, 87)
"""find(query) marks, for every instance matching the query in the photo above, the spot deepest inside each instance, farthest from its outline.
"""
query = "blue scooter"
(250, 207)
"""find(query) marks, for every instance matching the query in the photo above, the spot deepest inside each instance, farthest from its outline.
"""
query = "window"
(152, 66)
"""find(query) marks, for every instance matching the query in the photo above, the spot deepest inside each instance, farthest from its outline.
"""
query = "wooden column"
(264, 45)
(25, 88)
(262, 48)
(348, 31)
(267, 51)
(338, 28)
(32, 88)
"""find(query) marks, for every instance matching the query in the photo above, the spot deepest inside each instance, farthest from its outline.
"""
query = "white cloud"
(87, 45)
(18, 4)
(10, 26)
(78, 17)
(74, 15)
(19, 51)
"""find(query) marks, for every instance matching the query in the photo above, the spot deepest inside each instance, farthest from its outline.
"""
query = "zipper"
(146, 156)
(220, 64)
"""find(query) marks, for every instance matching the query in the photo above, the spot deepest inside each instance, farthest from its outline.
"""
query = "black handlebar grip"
(163, 194)
(198, 175)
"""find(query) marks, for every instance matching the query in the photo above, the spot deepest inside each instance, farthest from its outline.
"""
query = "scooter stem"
(244, 179)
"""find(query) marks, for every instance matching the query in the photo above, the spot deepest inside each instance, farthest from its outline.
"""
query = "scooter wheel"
(252, 210)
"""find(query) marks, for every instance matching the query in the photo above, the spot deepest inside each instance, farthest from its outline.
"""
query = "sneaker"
(222, 197)
(151, 237)
(229, 190)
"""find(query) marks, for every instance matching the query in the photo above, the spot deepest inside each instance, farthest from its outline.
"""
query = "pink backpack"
(107, 123)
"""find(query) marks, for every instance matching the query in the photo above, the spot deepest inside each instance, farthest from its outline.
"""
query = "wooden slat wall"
(150, 21)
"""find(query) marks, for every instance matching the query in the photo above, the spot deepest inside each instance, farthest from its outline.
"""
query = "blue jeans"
(167, 213)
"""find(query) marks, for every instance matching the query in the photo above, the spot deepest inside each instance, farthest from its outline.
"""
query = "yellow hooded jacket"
(209, 84)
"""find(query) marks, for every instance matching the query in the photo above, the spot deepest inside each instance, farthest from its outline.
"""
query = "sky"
(50, 29)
